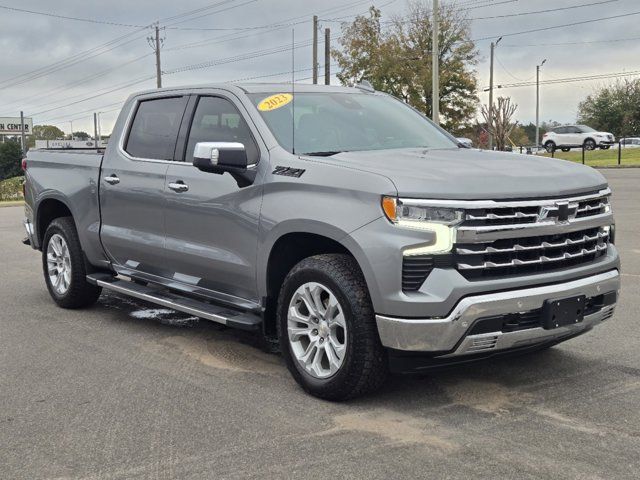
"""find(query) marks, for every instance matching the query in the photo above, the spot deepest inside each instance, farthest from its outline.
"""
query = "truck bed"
(70, 178)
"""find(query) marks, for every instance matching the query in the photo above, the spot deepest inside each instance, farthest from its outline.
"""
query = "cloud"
(30, 42)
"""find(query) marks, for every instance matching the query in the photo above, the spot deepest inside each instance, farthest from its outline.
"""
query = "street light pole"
(538, 102)
(490, 110)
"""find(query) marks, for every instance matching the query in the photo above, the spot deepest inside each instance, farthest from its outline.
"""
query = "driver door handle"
(112, 179)
(179, 186)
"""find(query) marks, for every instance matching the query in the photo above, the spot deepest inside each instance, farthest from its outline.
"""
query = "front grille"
(529, 255)
(534, 212)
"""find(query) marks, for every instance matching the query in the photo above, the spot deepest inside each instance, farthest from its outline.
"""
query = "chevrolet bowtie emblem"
(561, 212)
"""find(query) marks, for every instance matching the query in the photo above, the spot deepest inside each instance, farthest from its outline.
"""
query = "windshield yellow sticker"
(274, 102)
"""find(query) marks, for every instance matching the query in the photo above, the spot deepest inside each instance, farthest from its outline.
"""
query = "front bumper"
(448, 336)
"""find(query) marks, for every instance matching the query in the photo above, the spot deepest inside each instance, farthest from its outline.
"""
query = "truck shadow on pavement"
(492, 387)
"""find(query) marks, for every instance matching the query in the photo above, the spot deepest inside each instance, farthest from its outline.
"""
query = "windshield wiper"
(328, 153)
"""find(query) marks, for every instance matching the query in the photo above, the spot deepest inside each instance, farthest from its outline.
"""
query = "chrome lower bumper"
(449, 334)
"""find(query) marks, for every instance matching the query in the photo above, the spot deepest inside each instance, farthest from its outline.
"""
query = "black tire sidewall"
(336, 386)
(80, 293)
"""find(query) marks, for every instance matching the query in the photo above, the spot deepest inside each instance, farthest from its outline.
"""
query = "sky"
(59, 70)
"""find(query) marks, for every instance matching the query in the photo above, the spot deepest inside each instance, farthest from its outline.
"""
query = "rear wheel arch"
(47, 211)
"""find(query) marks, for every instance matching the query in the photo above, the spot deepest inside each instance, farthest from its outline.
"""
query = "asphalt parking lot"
(126, 390)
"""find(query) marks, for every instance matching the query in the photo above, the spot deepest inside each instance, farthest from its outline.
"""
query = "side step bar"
(201, 309)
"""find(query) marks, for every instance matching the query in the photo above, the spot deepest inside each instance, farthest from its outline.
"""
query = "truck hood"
(466, 174)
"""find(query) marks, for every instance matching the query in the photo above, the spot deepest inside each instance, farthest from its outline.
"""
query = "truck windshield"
(330, 123)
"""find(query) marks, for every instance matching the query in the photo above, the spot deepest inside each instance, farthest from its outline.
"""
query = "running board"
(208, 311)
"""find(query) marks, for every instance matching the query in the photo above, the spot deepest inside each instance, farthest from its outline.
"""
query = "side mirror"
(217, 157)
(221, 157)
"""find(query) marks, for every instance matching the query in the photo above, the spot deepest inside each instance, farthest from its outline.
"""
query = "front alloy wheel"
(589, 145)
(317, 330)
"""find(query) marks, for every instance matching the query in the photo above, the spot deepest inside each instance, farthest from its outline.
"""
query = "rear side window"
(154, 130)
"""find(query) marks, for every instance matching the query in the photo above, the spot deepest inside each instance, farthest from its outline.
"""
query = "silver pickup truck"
(338, 220)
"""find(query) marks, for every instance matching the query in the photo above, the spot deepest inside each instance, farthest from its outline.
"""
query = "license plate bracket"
(564, 311)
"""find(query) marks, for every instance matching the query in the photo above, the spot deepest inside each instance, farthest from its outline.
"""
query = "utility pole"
(490, 109)
(99, 128)
(24, 145)
(538, 102)
(71, 122)
(156, 42)
(435, 64)
(327, 56)
(95, 129)
(315, 49)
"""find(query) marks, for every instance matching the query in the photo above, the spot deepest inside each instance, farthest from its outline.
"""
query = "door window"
(218, 120)
(154, 130)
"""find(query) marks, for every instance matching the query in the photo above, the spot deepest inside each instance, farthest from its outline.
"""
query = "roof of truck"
(260, 88)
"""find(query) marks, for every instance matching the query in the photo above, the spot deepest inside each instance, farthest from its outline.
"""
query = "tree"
(397, 59)
(47, 132)
(614, 108)
(10, 159)
(81, 135)
(501, 125)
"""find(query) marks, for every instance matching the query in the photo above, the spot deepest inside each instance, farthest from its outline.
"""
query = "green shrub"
(11, 189)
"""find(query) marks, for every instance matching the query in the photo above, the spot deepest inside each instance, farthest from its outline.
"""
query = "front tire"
(64, 268)
(327, 329)
(589, 144)
(550, 147)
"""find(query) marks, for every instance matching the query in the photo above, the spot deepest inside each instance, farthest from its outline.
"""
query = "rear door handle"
(112, 179)
(179, 186)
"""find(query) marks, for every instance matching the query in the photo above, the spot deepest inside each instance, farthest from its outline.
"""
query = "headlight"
(411, 215)
(438, 220)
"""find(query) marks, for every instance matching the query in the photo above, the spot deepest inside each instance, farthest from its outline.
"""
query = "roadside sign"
(11, 126)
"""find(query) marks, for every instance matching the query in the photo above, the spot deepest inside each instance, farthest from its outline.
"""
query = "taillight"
(24, 164)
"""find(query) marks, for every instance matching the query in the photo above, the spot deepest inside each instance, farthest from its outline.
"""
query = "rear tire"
(327, 329)
(605, 147)
(64, 268)
(565, 149)
(550, 147)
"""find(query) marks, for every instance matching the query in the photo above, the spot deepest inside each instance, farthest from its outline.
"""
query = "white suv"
(576, 136)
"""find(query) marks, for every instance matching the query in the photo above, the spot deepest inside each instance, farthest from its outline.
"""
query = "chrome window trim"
(480, 204)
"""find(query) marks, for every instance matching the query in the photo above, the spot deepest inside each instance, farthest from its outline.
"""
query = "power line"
(80, 81)
(583, 78)
(95, 96)
(600, 19)
(573, 43)
(70, 61)
(172, 27)
(511, 74)
(548, 10)
(64, 17)
(263, 28)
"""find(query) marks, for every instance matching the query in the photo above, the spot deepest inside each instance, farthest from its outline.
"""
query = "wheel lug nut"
(321, 339)
(315, 332)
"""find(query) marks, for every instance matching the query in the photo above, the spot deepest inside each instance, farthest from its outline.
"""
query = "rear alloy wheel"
(59, 264)
(327, 329)
(63, 262)
(589, 144)
(550, 147)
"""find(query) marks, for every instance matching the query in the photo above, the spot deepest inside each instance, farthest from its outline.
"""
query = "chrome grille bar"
(541, 260)
(522, 248)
